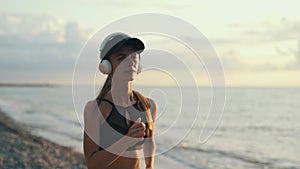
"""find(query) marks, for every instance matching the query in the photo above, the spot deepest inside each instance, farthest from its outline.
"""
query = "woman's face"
(125, 63)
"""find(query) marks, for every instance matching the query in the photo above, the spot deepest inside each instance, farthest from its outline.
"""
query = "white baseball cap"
(113, 42)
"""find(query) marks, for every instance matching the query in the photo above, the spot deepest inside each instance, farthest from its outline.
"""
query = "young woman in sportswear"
(119, 122)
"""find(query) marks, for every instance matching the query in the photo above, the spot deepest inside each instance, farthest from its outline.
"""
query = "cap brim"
(137, 44)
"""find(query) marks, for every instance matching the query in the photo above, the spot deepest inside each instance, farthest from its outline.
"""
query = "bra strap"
(111, 103)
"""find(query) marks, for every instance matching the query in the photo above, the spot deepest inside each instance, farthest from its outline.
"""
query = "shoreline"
(20, 149)
(28, 85)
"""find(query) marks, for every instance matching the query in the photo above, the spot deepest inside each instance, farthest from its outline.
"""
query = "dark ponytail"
(106, 88)
(144, 104)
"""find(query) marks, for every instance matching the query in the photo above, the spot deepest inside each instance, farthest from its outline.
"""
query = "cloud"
(231, 62)
(297, 53)
(38, 45)
(260, 47)
(284, 30)
(157, 4)
(257, 39)
(296, 63)
(232, 59)
(32, 27)
(260, 33)
(281, 52)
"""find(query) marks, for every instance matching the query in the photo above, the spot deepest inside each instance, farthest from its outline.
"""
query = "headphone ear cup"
(139, 68)
(105, 67)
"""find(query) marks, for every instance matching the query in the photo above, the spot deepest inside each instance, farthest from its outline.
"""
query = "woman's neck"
(122, 93)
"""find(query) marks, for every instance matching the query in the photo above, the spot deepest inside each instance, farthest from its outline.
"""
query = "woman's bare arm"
(149, 145)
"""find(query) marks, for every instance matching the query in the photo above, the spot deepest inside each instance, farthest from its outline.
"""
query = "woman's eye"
(121, 58)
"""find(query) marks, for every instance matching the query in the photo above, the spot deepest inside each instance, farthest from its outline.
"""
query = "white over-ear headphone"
(106, 68)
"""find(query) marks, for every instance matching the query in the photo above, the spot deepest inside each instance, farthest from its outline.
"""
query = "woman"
(119, 123)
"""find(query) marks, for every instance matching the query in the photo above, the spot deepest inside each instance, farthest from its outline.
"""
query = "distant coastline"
(28, 85)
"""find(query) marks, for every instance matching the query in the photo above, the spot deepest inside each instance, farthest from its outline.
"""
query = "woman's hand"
(137, 130)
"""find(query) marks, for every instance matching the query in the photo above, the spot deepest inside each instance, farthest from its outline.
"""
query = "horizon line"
(52, 84)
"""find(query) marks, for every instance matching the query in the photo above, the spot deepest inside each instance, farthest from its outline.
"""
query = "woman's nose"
(133, 58)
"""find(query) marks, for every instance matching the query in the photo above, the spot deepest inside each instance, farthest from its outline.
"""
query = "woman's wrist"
(149, 167)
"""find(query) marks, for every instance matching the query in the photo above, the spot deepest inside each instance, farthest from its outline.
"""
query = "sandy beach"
(20, 149)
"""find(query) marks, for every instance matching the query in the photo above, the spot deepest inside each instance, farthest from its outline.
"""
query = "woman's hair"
(106, 88)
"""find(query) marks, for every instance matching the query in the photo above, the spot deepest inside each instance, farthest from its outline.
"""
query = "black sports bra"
(115, 126)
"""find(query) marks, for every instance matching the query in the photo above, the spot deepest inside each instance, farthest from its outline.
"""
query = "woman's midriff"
(130, 160)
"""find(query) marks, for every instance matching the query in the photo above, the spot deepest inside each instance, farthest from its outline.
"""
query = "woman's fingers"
(137, 129)
(137, 132)
(141, 126)
(137, 122)
(140, 132)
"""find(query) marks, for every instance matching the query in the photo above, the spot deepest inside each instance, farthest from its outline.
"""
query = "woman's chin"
(125, 76)
(129, 77)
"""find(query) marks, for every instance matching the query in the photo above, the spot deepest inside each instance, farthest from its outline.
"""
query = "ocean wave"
(224, 153)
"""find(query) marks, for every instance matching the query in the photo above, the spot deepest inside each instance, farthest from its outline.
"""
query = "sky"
(257, 42)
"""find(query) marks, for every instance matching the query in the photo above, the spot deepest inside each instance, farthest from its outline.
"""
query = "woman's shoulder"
(90, 105)
(90, 113)
(95, 109)
(153, 107)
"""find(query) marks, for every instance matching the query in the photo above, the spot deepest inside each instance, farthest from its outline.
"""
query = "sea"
(249, 128)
